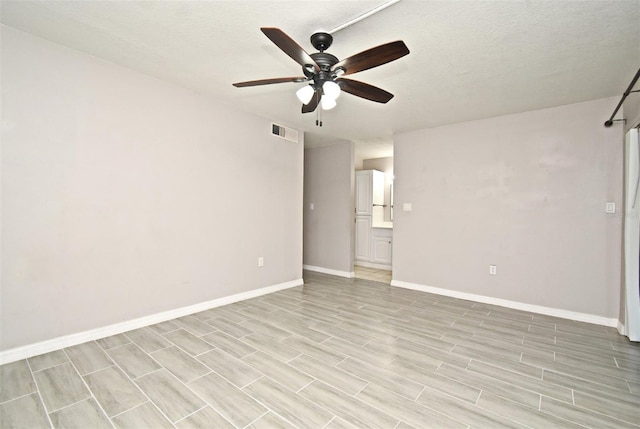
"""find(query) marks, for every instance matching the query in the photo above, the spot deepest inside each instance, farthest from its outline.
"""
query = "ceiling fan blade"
(289, 46)
(269, 81)
(313, 104)
(373, 57)
(364, 90)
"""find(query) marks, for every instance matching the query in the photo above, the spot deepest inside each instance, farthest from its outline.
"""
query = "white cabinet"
(364, 201)
(382, 250)
(377, 189)
(381, 245)
(369, 191)
(373, 244)
(363, 238)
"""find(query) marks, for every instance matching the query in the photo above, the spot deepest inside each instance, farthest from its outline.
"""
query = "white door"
(363, 238)
(377, 187)
(632, 236)
(382, 250)
(363, 193)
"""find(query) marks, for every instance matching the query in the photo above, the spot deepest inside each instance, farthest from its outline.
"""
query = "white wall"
(328, 228)
(124, 196)
(526, 192)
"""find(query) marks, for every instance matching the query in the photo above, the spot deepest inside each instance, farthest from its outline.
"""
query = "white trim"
(563, 314)
(622, 330)
(346, 274)
(46, 346)
(631, 231)
(373, 265)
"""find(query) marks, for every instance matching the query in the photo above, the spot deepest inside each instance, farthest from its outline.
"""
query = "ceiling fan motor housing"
(324, 60)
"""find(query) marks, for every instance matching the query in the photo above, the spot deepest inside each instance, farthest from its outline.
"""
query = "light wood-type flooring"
(336, 353)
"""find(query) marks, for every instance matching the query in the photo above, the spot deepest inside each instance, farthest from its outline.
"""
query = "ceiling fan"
(324, 71)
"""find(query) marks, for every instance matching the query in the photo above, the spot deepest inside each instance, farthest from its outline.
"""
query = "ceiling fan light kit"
(331, 89)
(305, 94)
(328, 103)
(324, 71)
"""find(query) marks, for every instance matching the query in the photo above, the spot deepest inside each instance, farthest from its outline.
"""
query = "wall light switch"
(261, 261)
(407, 207)
(311, 206)
(610, 208)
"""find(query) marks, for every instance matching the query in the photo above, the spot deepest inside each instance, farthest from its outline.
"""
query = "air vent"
(284, 132)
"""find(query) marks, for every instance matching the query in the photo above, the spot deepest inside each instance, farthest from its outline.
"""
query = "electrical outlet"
(610, 208)
(261, 261)
(493, 270)
(407, 207)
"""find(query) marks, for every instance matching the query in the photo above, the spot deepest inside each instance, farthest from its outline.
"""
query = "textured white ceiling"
(468, 60)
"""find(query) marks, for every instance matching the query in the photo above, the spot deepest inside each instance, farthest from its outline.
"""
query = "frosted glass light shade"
(328, 103)
(305, 94)
(331, 89)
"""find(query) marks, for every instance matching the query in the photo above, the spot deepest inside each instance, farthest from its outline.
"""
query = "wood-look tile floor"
(336, 353)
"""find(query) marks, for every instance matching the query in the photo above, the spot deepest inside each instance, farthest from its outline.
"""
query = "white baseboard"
(622, 330)
(39, 348)
(373, 265)
(346, 274)
(548, 311)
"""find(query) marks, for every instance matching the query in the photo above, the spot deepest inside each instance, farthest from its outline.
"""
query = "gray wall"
(526, 192)
(328, 228)
(124, 196)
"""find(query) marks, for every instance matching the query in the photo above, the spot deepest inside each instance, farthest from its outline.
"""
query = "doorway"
(373, 223)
